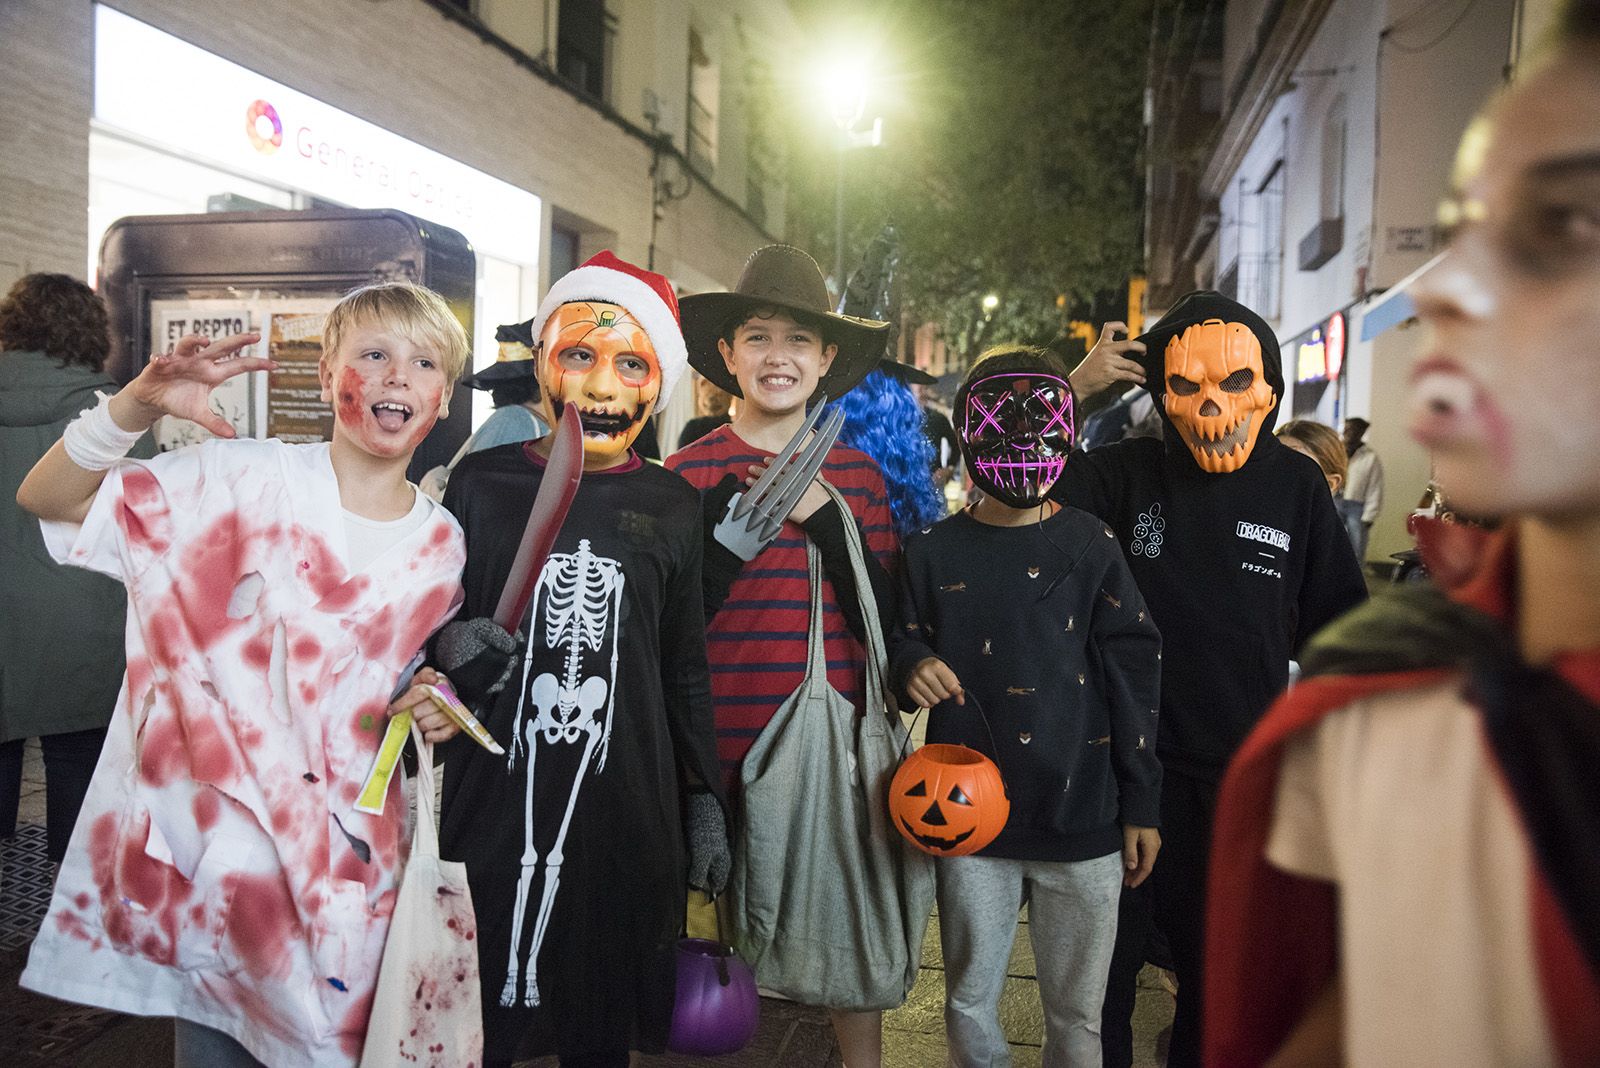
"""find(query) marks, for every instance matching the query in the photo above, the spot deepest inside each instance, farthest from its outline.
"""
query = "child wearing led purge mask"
(574, 839)
(1024, 633)
(220, 872)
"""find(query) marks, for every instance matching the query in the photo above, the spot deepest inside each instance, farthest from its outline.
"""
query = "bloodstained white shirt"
(219, 871)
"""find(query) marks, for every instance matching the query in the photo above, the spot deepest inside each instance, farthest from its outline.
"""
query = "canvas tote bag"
(830, 904)
(427, 1012)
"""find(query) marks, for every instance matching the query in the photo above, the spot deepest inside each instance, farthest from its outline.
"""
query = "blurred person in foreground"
(53, 346)
(1408, 847)
(1320, 442)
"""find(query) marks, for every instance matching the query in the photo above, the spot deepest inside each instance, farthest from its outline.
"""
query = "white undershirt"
(368, 539)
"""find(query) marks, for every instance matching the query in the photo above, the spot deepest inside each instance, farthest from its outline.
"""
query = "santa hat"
(647, 296)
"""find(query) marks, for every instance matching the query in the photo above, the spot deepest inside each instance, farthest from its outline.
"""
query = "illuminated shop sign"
(157, 87)
(1320, 354)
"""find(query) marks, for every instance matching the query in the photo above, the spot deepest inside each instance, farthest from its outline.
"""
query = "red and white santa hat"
(647, 296)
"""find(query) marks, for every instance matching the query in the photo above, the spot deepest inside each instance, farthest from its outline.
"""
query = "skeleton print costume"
(573, 839)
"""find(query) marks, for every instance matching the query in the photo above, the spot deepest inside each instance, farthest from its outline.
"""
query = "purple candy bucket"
(717, 1008)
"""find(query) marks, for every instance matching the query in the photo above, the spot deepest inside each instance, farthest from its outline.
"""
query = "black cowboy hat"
(783, 278)
(511, 365)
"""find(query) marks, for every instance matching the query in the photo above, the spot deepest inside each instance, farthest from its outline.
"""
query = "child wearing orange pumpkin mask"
(574, 840)
(1024, 632)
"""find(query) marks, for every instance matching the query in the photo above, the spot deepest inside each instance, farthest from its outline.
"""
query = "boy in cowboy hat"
(775, 344)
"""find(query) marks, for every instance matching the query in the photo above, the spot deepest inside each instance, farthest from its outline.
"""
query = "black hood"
(1197, 307)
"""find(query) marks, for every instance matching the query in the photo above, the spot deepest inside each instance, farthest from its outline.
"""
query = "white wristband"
(94, 441)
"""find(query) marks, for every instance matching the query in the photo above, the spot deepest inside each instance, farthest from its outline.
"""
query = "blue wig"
(883, 420)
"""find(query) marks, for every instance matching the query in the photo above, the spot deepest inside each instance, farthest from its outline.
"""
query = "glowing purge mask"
(597, 358)
(1217, 392)
(1016, 429)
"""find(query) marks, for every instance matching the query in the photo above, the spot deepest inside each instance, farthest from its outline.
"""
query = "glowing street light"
(843, 82)
(991, 301)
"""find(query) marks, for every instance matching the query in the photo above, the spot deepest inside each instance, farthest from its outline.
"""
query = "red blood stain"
(426, 617)
(353, 1028)
(211, 570)
(82, 901)
(305, 648)
(262, 924)
(161, 755)
(308, 693)
(375, 635)
(211, 754)
(144, 509)
(139, 675)
(441, 534)
(367, 723)
(207, 809)
(68, 924)
(349, 867)
(197, 915)
(168, 643)
(350, 400)
(257, 652)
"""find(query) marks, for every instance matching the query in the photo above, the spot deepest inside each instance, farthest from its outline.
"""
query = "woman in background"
(54, 342)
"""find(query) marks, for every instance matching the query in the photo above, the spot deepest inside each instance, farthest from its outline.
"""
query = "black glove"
(710, 858)
(478, 656)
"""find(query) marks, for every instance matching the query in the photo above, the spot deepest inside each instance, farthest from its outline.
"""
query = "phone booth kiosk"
(276, 272)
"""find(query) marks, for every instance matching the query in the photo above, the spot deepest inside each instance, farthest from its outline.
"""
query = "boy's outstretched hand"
(180, 382)
(1139, 848)
(932, 681)
(436, 725)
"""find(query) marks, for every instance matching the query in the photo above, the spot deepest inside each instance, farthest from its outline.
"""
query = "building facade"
(1310, 191)
(542, 131)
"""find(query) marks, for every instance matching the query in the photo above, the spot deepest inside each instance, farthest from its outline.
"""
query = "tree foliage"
(1011, 162)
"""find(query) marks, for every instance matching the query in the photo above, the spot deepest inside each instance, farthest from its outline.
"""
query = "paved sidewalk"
(36, 1031)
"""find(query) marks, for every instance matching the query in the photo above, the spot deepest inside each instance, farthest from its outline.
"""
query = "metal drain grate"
(25, 883)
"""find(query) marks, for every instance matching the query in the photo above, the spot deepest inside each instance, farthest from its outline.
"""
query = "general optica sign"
(167, 91)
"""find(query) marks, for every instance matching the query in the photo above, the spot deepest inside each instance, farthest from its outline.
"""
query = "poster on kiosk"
(278, 273)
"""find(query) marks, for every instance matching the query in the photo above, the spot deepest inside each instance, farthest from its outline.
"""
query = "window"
(704, 94)
(1261, 244)
(584, 32)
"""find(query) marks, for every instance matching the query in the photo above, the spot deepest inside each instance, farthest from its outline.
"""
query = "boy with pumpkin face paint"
(1024, 632)
(1241, 556)
(574, 839)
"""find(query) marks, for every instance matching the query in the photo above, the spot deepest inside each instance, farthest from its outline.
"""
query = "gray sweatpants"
(1072, 921)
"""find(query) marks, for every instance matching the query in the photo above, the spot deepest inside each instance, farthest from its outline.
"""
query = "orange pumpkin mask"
(1217, 392)
(948, 800)
(597, 358)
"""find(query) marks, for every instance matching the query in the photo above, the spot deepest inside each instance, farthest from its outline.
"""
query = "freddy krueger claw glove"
(710, 858)
(479, 657)
(755, 516)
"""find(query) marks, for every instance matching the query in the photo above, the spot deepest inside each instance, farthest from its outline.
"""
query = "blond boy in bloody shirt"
(220, 873)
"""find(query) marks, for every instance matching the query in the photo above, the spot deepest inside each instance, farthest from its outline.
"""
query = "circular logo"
(257, 118)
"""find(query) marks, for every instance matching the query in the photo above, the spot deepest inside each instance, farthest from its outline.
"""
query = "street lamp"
(844, 87)
(991, 301)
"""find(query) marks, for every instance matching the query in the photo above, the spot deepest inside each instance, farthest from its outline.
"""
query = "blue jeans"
(1350, 512)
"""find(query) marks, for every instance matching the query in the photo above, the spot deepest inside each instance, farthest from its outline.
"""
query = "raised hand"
(1107, 363)
(180, 382)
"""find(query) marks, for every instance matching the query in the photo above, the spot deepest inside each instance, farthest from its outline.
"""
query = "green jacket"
(61, 628)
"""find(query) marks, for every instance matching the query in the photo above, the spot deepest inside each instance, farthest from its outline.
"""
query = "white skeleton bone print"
(577, 607)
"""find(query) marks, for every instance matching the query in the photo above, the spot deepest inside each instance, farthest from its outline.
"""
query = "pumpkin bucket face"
(948, 800)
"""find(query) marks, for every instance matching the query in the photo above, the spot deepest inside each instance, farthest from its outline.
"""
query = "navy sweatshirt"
(1239, 568)
(1048, 634)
